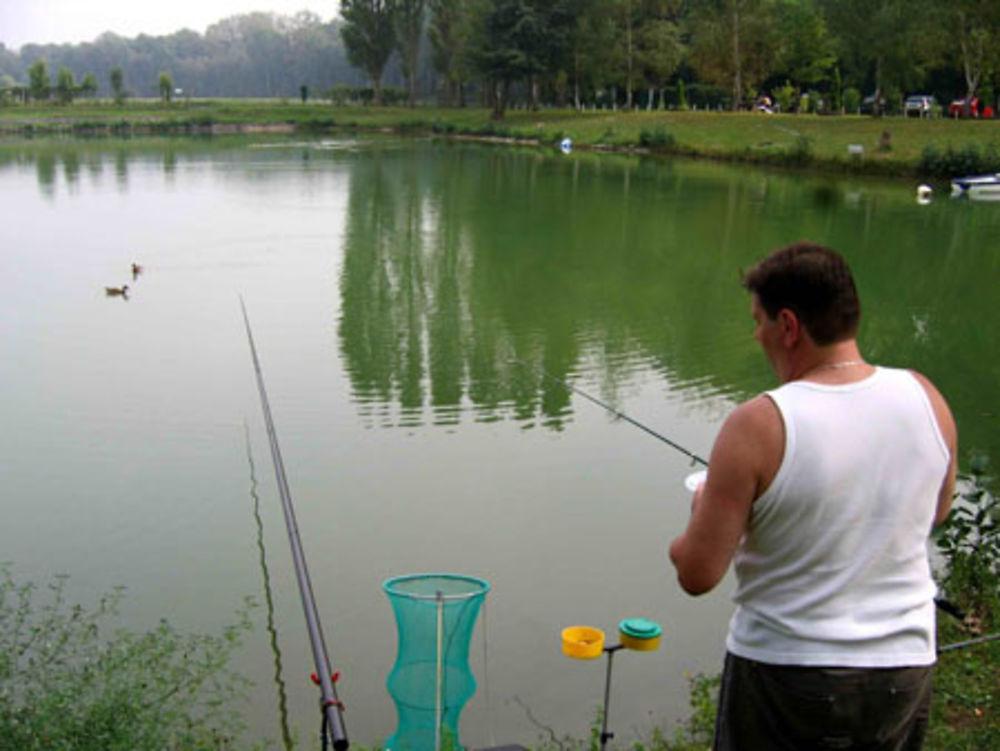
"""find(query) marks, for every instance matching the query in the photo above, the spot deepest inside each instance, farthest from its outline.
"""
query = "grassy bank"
(915, 147)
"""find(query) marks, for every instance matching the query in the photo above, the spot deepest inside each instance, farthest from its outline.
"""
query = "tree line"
(817, 55)
(250, 55)
(621, 51)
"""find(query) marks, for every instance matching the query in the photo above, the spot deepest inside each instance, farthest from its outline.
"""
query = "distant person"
(822, 492)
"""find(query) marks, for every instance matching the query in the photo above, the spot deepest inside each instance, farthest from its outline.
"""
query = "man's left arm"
(949, 431)
(744, 459)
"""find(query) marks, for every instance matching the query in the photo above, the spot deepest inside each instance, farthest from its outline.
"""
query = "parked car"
(968, 107)
(921, 105)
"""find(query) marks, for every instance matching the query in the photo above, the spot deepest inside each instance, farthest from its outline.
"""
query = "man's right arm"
(745, 457)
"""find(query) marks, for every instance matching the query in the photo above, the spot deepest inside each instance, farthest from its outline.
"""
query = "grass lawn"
(809, 140)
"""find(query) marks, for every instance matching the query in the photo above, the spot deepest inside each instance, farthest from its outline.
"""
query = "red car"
(964, 107)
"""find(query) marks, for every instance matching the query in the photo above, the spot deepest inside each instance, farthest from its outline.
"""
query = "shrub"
(66, 682)
(837, 94)
(852, 100)
(966, 681)
(800, 152)
(816, 103)
(893, 100)
(682, 102)
(969, 541)
(657, 139)
(952, 162)
(785, 97)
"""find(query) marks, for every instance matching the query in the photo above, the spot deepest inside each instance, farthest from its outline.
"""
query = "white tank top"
(833, 569)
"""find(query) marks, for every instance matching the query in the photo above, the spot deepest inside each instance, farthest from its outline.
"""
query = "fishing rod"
(969, 643)
(617, 413)
(330, 705)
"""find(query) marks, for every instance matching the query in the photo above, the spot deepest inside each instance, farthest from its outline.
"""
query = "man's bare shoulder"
(752, 443)
(755, 415)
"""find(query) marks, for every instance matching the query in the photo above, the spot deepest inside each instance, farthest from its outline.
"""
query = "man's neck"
(840, 362)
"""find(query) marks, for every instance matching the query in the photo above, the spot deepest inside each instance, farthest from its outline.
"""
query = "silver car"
(921, 105)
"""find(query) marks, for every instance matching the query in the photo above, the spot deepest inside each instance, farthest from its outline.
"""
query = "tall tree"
(734, 42)
(806, 54)
(550, 43)
(495, 48)
(626, 15)
(165, 86)
(659, 53)
(88, 85)
(117, 81)
(973, 28)
(409, 22)
(369, 36)
(39, 83)
(448, 32)
(882, 42)
(592, 48)
(65, 86)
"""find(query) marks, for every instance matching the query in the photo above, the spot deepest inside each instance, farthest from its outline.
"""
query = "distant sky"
(58, 21)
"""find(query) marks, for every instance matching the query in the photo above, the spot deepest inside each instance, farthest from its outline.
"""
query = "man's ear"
(791, 327)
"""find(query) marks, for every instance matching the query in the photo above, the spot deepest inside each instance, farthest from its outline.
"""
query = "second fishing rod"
(695, 458)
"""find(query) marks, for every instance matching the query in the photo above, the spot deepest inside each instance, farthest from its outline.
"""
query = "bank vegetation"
(895, 146)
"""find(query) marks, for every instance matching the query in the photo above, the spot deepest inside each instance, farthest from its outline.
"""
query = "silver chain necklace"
(841, 364)
(833, 366)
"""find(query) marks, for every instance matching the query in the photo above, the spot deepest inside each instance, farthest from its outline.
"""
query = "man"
(822, 493)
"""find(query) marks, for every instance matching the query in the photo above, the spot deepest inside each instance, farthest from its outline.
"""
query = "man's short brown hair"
(812, 281)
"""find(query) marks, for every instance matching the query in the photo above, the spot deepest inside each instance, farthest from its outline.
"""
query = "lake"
(408, 298)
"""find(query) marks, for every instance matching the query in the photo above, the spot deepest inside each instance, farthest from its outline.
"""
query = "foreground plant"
(966, 709)
(969, 541)
(68, 681)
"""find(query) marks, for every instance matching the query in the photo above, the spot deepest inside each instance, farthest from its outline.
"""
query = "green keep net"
(431, 680)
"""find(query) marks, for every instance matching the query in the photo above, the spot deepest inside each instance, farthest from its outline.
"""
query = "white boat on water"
(978, 186)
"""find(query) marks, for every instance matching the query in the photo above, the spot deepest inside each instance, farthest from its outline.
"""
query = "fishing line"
(272, 629)
(330, 704)
(695, 459)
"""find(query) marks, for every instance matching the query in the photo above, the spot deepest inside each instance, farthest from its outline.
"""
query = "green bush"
(967, 681)
(969, 542)
(893, 100)
(952, 162)
(816, 101)
(784, 97)
(682, 102)
(657, 139)
(67, 682)
(852, 101)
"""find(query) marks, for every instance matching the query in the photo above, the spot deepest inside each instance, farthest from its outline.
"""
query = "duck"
(116, 291)
(136, 270)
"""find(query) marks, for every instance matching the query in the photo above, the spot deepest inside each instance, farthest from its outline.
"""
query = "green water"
(407, 299)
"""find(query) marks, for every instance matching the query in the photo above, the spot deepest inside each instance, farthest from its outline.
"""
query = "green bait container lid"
(640, 628)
